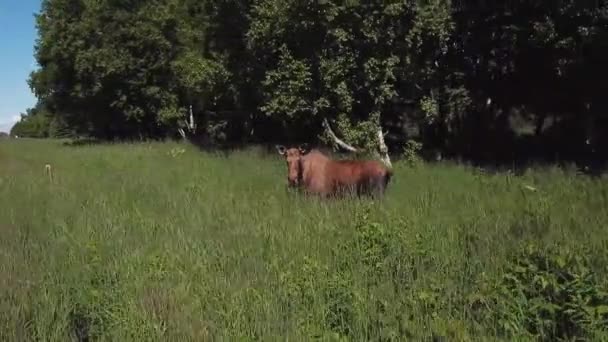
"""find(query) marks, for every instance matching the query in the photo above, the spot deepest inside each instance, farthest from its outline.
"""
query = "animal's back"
(364, 176)
(325, 176)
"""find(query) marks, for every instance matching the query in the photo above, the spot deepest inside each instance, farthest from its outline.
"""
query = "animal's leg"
(350, 191)
(387, 178)
(378, 187)
(369, 187)
(360, 189)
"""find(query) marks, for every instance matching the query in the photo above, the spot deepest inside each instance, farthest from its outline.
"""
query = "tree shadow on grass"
(82, 142)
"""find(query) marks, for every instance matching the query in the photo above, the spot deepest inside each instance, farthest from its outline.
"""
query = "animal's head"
(293, 157)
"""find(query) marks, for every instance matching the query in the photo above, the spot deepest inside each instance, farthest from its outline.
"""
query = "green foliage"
(38, 122)
(411, 152)
(454, 73)
(58, 128)
(198, 79)
(551, 294)
(117, 70)
(198, 75)
(289, 86)
(350, 67)
(35, 126)
(430, 107)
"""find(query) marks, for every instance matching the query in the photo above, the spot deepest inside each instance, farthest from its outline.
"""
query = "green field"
(141, 242)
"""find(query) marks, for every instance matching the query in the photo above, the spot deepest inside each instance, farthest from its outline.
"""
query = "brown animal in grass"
(316, 173)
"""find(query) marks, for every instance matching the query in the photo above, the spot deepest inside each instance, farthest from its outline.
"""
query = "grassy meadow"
(149, 242)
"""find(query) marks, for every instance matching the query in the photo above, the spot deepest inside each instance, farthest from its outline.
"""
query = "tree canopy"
(472, 79)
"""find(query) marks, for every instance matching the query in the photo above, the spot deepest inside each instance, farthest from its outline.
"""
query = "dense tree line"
(472, 79)
(39, 122)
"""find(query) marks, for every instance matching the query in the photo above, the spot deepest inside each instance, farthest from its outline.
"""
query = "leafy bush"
(411, 152)
(325, 296)
(549, 295)
(372, 288)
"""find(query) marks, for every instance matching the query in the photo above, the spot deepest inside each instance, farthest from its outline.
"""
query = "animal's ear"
(281, 149)
(304, 148)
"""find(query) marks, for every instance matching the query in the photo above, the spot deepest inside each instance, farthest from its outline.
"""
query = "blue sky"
(17, 37)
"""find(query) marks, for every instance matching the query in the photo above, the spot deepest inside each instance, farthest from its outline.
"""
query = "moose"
(316, 173)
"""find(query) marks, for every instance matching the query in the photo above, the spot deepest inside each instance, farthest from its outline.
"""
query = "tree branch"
(337, 140)
(383, 154)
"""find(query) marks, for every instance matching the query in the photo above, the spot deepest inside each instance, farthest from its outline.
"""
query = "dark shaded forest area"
(497, 82)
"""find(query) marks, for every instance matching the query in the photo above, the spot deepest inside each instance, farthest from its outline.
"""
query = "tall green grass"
(143, 242)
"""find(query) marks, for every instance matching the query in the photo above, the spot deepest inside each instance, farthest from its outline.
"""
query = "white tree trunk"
(337, 140)
(386, 159)
(190, 125)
